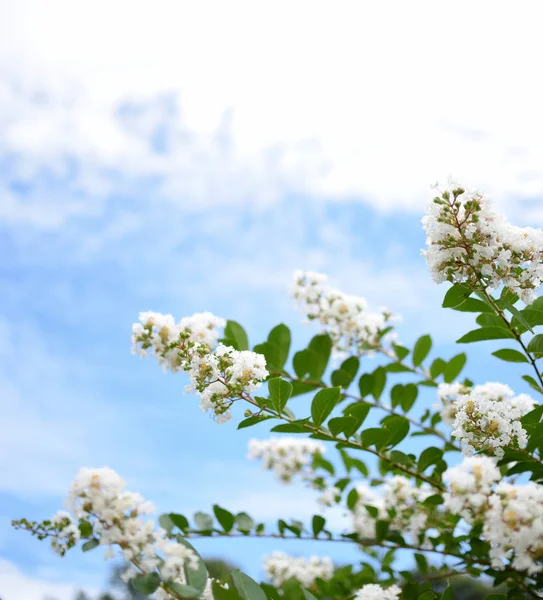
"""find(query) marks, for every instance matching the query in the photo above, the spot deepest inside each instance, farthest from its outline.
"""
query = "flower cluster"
(484, 422)
(287, 457)
(343, 317)
(161, 335)
(218, 373)
(514, 526)
(280, 567)
(373, 591)
(449, 393)
(101, 509)
(399, 502)
(468, 242)
(511, 514)
(470, 484)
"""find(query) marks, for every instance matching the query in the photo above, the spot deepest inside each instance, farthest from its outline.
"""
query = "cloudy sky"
(180, 156)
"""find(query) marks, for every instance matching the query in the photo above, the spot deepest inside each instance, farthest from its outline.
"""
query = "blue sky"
(139, 179)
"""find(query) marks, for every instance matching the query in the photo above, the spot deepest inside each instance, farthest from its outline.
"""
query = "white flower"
(98, 496)
(280, 567)
(399, 495)
(467, 239)
(470, 484)
(342, 316)
(158, 332)
(286, 457)
(219, 374)
(373, 591)
(488, 421)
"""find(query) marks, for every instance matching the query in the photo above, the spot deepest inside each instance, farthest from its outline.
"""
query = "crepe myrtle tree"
(468, 501)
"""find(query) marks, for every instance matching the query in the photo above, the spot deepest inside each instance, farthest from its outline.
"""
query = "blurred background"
(188, 156)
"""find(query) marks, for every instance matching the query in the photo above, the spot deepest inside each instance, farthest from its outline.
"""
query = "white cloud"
(17, 585)
(350, 100)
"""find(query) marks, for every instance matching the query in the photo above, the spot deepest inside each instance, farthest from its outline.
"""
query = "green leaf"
(380, 378)
(280, 337)
(271, 354)
(90, 545)
(517, 314)
(225, 518)
(179, 521)
(485, 333)
(531, 316)
(404, 395)
(493, 597)
(323, 403)
(490, 320)
(289, 428)
(320, 348)
(318, 524)
(454, 367)
(374, 436)
(381, 529)
(85, 529)
(280, 391)
(248, 588)
(456, 296)
(397, 427)
(395, 367)
(474, 305)
(434, 500)
(203, 521)
(536, 344)
(400, 351)
(510, 355)
(337, 424)
(234, 332)
(185, 591)
(428, 596)
(366, 384)
(346, 373)
(532, 383)
(250, 421)
(437, 367)
(220, 593)
(421, 349)
(195, 578)
(166, 523)
(358, 410)
(301, 363)
(146, 584)
(244, 522)
(308, 595)
(533, 417)
(421, 561)
(429, 456)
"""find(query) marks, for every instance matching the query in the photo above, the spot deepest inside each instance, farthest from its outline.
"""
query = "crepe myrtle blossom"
(218, 373)
(511, 513)
(514, 526)
(374, 591)
(469, 242)
(344, 317)
(398, 501)
(160, 335)
(483, 422)
(99, 505)
(280, 567)
(287, 457)
(470, 484)
(448, 394)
